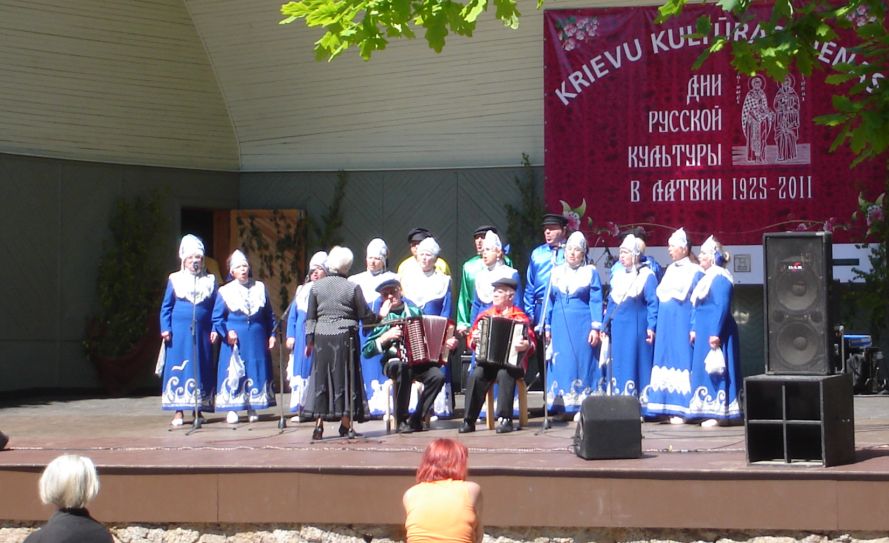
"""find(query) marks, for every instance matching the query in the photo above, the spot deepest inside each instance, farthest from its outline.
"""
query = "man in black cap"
(484, 375)
(386, 339)
(540, 265)
(414, 237)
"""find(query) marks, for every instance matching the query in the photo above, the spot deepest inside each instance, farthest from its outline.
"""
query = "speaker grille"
(798, 325)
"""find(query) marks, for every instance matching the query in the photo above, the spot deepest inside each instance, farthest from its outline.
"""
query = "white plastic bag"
(161, 360)
(714, 363)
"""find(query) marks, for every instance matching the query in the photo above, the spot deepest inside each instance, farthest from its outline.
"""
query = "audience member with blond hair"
(443, 505)
(70, 482)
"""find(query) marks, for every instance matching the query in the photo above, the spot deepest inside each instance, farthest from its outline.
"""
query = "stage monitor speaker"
(799, 419)
(609, 427)
(799, 328)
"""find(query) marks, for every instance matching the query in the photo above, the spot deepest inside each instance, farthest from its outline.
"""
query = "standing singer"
(188, 360)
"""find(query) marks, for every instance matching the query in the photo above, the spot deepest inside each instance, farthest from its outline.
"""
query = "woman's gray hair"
(69, 482)
(339, 260)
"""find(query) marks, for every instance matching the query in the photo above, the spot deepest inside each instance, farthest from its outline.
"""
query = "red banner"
(635, 136)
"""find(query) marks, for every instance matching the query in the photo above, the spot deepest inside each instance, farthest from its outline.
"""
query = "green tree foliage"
(788, 42)
(369, 24)
(127, 284)
(523, 222)
(326, 230)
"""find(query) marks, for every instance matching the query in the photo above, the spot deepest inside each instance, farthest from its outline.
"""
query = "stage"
(688, 477)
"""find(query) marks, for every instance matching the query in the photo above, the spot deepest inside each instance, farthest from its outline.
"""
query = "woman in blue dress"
(573, 322)
(190, 292)
(670, 391)
(716, 364)
(299, 367)
(631, 319)
(376, 272)
(430, 290)
(243, 317)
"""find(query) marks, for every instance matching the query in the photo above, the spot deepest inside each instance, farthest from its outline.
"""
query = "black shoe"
(404, 428)
(344, 430)
(505, 426)
(466, 427)
(416, 425)
(4, 439)
(318, 433)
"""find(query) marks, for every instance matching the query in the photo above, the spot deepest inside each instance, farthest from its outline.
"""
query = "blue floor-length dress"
(573, 310)
(632, 309)
(670, 389)
(246, 309)
(188, 296)
(300, 366)
(715, 396)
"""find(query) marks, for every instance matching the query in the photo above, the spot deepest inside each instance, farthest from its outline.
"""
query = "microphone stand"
(542, 332)
(282, 421)
(350, 382)
(196, 425)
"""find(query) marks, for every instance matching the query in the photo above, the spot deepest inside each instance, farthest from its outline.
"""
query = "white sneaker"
(176, 422)
(677, 420)
(232, 417)
(252, 416)
(577, 417)
(295, 418)
(709, 423)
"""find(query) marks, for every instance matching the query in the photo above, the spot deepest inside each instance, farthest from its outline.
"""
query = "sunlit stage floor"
(688, 476)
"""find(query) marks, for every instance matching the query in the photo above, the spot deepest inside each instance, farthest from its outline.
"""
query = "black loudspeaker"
(609, 427)
(799, 325)
(799, 418)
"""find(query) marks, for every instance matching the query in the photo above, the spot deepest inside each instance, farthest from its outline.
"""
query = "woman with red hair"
(443, 505)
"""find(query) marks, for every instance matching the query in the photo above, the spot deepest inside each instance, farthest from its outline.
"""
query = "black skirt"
(326, 396)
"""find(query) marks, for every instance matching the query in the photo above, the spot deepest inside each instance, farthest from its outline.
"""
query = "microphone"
(196, 266)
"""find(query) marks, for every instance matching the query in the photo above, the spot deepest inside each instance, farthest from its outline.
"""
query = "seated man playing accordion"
(505, 372)
(388, 339)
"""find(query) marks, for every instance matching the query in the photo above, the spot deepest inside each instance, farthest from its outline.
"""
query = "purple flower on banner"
(575, 30)
(861, 16)
(874, 214)
(801, 227)
(573, 220)
(613, 229)
(829, 225)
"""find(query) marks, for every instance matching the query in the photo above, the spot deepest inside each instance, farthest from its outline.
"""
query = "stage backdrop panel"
(635, 136)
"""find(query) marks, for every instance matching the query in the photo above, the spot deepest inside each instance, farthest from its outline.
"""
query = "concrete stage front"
(688, 478)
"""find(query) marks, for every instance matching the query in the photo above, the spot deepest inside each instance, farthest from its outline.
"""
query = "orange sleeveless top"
(440, 511)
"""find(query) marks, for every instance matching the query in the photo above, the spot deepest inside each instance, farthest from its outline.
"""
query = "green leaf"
(668, 9)
(508, 13)
(473, 9)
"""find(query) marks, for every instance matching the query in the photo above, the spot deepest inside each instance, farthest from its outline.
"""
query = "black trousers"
(481, 379)
(403, 374)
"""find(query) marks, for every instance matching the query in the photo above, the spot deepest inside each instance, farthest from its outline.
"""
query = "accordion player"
(389, 339)
(504, 366)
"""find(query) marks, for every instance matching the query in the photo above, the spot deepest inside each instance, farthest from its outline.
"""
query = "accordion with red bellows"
(424, 339)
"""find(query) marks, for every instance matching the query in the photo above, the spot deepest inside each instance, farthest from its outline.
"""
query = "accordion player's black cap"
(388, 283)
(506, 282)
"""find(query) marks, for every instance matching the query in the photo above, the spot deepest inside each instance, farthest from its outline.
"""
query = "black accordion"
(497, 338)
